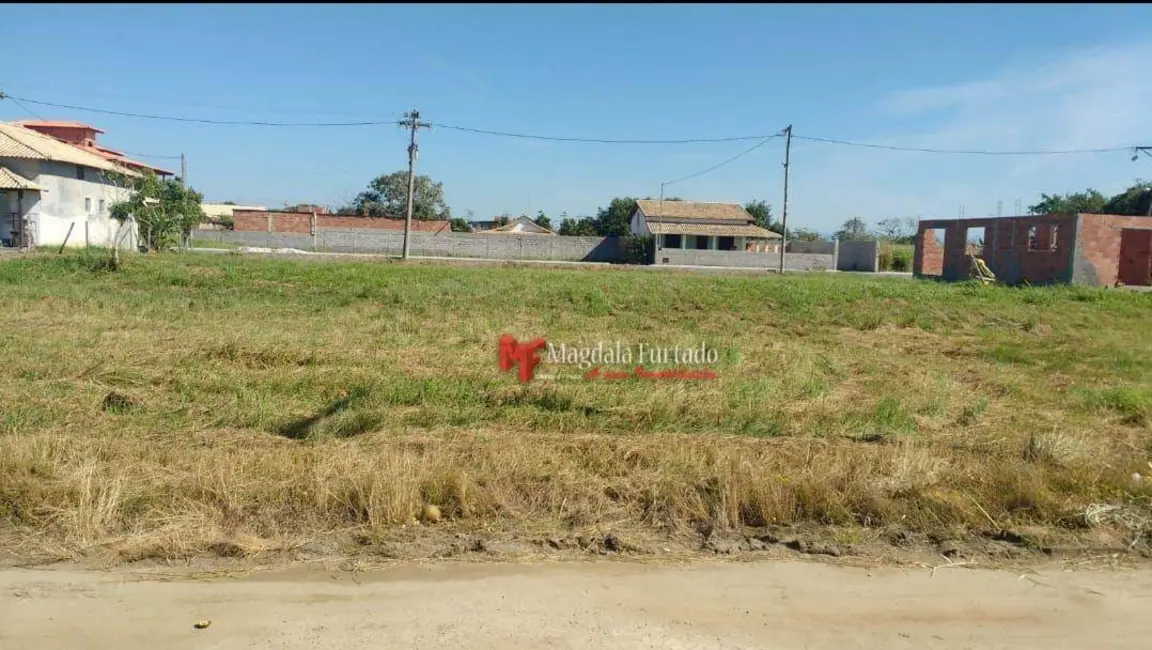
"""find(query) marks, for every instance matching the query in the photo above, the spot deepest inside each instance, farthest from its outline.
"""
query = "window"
(79, 173)
(101, 206)
(727, 244)
(671, 241)
(1043, 237)
(88, 204)
(701, 243)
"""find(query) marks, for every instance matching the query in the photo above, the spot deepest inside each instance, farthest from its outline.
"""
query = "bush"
(884, 259)
(638, 249)
(901, 261)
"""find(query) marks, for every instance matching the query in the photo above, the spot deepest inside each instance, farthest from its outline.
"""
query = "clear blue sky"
(985, 77)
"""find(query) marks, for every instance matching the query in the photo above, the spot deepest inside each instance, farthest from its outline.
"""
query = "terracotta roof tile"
(707, 229)
(10, 180)
(694, 210)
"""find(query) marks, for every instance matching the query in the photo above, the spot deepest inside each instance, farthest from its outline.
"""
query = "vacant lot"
(213, 404)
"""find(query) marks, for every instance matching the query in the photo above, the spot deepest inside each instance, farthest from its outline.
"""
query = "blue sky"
(938, 76)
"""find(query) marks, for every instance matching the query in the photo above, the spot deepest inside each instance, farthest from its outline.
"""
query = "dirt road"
(611, 605)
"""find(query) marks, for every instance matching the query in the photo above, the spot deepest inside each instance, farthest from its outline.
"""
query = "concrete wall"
(812, 247)
(444, 244)
(743, 259)
(53, 211)
(858, 256)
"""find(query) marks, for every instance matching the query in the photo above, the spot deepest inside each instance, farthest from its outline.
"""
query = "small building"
(55, 191)
(521, 225)
(215, 213)
(1086, 249)
(721, 234)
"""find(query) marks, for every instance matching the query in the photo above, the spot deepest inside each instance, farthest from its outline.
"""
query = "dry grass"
(222, 405)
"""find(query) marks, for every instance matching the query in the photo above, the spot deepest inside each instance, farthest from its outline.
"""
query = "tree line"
(387, 195)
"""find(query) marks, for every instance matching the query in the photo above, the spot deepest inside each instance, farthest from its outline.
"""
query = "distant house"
(521, 225)
(216, 212)
(57, 185)
(696, 225)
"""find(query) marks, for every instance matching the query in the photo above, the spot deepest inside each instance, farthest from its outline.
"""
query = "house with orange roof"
(57, 185)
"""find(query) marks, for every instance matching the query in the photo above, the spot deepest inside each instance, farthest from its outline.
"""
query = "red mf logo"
(524, 354)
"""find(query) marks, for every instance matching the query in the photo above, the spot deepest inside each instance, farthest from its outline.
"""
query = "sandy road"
(607, 605)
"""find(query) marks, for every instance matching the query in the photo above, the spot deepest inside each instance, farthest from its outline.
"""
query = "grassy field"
(192, 403)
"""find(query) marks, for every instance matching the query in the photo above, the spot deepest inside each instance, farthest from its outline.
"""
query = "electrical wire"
(732, 159)
(199, 120)
(963, 151)
(507, 134)
(596, 140)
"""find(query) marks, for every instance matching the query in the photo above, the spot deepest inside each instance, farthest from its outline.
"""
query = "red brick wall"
(1135, 257)
(257, 221)
(1099, 245)
(931, 254)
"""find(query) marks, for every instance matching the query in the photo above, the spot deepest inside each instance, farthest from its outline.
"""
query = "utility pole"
(184, 170)
(412, 121)
(784, 212)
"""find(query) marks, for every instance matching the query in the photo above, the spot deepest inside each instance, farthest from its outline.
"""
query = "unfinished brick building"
(1088, 249)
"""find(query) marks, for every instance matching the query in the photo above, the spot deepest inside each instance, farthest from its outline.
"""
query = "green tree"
(762, 213)
(1133, 201)
(896, 230)
(459, 225)
(387, 196)
(1089, 201)
(542, 220)
(164, 210)
(615, 220)
(803, 234)
(853, 230)
(580, 227)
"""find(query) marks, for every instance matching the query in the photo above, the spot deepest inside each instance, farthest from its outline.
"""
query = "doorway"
(1135, 267)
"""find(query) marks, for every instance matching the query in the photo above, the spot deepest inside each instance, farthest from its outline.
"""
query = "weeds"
(188, 401)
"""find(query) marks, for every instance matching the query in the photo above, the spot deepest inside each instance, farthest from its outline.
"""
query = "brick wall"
(300, 222)
(1099, 243)
(1006, 248)
(929, 256)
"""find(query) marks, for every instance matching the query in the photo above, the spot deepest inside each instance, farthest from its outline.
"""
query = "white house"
(698, 225)
(54, 190)
(521, 225)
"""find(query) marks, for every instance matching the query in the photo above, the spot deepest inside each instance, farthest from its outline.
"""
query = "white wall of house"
(639, 225)
(68, 199)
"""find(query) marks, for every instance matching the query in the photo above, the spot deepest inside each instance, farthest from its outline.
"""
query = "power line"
(598, 140)
(150, 155)
(528, 136)
(198, 120)
(963, 151)
(732, 159)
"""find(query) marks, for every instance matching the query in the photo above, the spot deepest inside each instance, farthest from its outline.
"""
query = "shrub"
(638, 249)
(901, 261)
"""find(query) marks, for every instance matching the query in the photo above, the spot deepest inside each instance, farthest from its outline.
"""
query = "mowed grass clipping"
(190, 400)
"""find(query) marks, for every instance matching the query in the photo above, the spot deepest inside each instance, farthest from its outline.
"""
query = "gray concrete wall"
(446, 244)
(506, 247)
(858, 256)
(743, 259)
(812, 247)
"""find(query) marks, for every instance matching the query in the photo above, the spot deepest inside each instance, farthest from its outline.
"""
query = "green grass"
(276, 399)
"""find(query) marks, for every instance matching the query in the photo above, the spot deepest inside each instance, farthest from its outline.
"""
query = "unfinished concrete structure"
(1088, 249)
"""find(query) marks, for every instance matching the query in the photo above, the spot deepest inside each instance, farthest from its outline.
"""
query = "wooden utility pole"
(412, 121)
(784, 212)
(184, 170)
